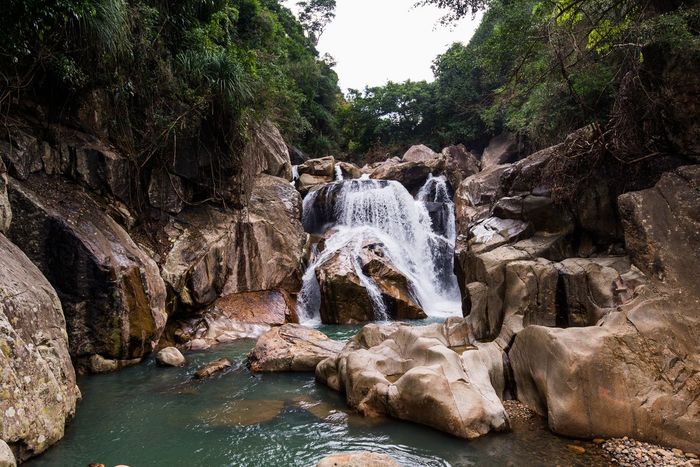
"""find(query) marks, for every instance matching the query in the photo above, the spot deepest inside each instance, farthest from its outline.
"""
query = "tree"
(315, 16)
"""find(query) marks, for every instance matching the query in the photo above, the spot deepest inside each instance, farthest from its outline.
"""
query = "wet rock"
(291, 347)
(323, 167)
(308, 182)
(5, 207)
(419, 153)
(358, 459)
(22, 153)
(349, 170)
(629, 452)
(166, 192)
(344, 295)
(38, 392)
(466, 161)
(99, 364)
(7, 458)
(415, 375)
(662, 227)
(502, 149)
(296, 155)
(212, 368)
(232, 317)
(170, 356)
(112, 293)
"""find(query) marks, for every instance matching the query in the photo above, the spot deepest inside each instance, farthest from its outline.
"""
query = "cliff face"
(102, 257)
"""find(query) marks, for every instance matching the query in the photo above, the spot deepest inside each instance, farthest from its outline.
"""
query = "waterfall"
(338, 172)
(364, 209)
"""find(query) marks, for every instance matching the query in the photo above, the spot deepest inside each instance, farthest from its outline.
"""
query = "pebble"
(576, 449)
(631, 453)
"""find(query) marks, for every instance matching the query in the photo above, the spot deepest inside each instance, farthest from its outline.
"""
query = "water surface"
(151, 416)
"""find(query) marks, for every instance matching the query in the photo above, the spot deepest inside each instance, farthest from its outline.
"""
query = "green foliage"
(539, 68)
(173, 68)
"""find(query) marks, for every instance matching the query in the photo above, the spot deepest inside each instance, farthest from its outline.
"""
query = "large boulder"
(5, 207)
(268, 151)
(196, 248)
(315, 173)
(475, 195)
(292, 347)
(38, 392)
(413, 174)
(418, 374)
(268, 246)
(419, 153)
(662, 227)
(353, 287)
(502, 149)
(466, 161)
(7, 457)
(231, 317)
(636, 374)
(112, 293)
(209, 252)
(167, 192)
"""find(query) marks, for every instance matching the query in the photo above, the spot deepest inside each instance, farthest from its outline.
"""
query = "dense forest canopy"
(173, 68)
(540, 69)
(208, 68)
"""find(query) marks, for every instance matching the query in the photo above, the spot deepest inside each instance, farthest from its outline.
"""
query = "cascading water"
(383, 211)
(338, 172)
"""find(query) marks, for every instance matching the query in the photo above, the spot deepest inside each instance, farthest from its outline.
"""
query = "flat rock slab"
(291, 347)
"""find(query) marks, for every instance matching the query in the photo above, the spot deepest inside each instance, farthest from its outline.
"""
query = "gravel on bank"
(628, 452)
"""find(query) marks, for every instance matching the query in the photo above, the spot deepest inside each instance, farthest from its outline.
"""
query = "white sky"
(374, 41)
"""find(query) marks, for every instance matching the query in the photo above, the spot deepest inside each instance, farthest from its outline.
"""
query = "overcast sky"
(374, 41)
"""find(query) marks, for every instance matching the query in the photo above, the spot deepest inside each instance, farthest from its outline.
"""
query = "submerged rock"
(358, 459)
(170, 356)
(112, 293)
(212, 368)
(38, 392)
(291, 347)
(244, 413)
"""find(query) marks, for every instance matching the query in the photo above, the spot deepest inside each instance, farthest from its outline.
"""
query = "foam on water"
(367, 210)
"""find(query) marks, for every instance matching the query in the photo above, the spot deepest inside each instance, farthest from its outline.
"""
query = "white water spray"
(379, 210)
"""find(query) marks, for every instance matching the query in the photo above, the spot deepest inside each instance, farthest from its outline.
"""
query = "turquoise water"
(151, 416)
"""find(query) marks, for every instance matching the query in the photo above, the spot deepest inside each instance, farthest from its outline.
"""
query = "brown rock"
(112, 293)
(502, 149)
(662, 227)
(166, 192)
(466, 161)
(244, 413)
(5, 207)
(414, 375)
(291, 347)
(419, 153)
(212, 368)
(232, 317)
(344, 297)
(349, 170)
